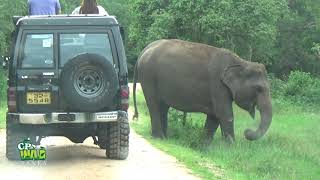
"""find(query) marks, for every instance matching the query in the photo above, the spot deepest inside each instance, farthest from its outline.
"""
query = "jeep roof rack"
(56, 20)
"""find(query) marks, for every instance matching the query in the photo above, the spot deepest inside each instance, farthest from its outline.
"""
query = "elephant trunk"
(265, 108)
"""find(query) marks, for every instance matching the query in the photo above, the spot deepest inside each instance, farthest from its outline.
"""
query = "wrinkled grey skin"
(194, 77)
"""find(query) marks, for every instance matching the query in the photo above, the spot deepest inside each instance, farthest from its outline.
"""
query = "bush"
(300, 87)
(3, 87)
(277, 86)
(312, 94)
(298, 82)
(191, 134)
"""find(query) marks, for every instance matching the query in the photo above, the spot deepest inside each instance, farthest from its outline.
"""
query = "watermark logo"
(29, 151)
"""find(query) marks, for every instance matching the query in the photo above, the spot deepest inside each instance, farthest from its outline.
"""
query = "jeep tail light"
(12, 103)
(124, 95)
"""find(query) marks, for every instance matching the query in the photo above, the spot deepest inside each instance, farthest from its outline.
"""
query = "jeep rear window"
(38, 51)
(72, 45)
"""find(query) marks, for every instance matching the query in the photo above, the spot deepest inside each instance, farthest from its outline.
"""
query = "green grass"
(3, 98)
(3, 110)
(289, 150)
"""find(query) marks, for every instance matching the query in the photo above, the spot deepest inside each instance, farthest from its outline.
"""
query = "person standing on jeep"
(44, 7)
(90, 7)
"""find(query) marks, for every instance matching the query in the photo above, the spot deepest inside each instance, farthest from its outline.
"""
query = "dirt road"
(67, 160)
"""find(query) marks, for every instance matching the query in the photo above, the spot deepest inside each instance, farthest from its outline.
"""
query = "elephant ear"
(231, 77)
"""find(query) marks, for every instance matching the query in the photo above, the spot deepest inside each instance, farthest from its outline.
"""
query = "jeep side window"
(37, 51)
(72, 45)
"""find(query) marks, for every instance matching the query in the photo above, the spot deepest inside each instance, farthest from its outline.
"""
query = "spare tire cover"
(88, 82)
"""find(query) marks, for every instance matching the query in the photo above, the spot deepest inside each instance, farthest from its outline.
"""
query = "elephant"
(195, 77)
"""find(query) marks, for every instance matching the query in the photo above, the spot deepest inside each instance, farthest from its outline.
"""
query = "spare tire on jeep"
(89, 82)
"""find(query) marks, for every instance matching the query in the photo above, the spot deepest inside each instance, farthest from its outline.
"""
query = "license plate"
(38, 98)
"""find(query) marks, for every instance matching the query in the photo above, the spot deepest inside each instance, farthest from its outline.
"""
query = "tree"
(8, 8)
(247, 27)
(298, 37)
(283, 34)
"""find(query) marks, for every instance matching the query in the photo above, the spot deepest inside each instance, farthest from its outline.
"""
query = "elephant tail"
(135, 78)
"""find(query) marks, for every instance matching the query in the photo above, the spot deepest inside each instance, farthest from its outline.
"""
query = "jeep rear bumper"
(71, 117)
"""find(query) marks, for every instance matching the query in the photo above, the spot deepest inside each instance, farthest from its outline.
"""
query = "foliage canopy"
(282, 34)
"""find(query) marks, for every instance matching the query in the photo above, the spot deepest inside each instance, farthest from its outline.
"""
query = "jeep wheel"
(89, 82)
(118, 139)
(14, 135)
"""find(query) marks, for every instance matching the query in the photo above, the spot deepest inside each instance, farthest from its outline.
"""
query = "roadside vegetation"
(3, 98)
(289, 150)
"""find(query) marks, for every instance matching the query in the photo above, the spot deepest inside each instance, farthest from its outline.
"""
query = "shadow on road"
(65, 153)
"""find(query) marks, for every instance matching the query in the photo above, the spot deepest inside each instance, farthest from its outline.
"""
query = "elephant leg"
(211, 127)
(153, 105)
(164, 117)
(224, 114)
(227, 130)
(222, 134)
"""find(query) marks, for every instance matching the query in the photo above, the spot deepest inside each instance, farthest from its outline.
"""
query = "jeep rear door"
(37, 72)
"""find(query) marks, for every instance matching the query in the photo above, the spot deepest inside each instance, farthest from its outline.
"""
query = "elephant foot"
(207, 137)
(229, 139)
(207, 141)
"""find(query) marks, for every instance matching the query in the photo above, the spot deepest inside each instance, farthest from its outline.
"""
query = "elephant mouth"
(252, 111)
(250, 108)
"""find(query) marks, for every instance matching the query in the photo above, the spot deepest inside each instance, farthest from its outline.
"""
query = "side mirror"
(4, 61)
(122, 32)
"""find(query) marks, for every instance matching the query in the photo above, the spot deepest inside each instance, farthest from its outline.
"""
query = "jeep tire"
(118, 139)
(14, 135)
(115, 139)
(89, 82)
